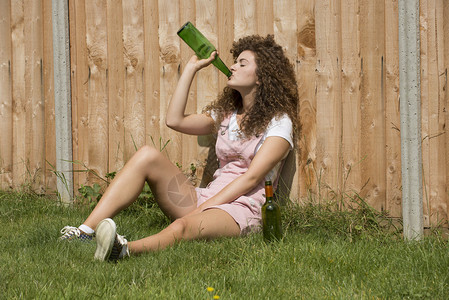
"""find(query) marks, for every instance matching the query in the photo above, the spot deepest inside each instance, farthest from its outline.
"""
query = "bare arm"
(177, 119)
(272, 151)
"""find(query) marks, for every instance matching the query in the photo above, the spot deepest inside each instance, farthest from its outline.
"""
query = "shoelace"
(70, 230)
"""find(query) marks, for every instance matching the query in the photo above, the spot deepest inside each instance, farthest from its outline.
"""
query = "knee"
(179, 228)
(147, 154)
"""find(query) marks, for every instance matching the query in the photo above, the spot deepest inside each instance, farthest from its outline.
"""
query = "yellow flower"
(210, 289)
(216, 297)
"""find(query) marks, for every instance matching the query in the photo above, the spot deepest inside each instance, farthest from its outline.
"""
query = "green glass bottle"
(271, 216)
(201, 45)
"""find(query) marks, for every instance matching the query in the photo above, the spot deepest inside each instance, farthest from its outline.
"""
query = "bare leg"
(208, 224)
(174, 193)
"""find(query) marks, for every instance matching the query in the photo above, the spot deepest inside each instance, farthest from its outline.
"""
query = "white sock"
(86, 229)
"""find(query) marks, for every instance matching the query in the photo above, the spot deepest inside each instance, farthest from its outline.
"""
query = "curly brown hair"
(276, 95)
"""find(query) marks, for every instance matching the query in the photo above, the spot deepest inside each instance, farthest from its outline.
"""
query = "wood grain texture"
(245, 19)
(372, 49)
(6, 103)
(350, 97)
(329, 108)
(424, 109)
(34, 95)
(392, 113)
(446, 92)
(116, 72)
(152, 78)
(169, 44)
(97, 92)
(18, 92)
(49, 99)
(80, 99)
(306, 76)
(134, 104)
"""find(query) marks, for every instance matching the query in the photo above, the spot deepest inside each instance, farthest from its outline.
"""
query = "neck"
(247, 101)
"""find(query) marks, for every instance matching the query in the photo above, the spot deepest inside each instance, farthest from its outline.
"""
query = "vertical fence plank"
(49, 99)
(372, 32)
(285, 26)
(439, 206)
(350, 94)
(151, 73)
(244, 18)
(116, 85)
(6, 141)
(328, 28)
(97, 137)
(169, 54)
(392, 113)
(18, 92)
(34, 92)
(424, 109)
(434, 139)
(80, 99)
(225, 12)
(446, 92)
(134, 66)
(306, 58)
(434, 134)
(265, 17)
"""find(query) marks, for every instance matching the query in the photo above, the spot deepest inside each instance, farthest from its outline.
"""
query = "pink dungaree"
(234, 158)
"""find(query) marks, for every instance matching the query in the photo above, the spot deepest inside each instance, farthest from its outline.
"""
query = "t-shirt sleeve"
(281, 127)
(213, 115)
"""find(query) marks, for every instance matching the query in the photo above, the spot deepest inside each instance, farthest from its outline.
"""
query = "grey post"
(410, 107)
(63, 111)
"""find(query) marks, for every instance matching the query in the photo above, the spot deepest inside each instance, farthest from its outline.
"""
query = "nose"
(232, 68)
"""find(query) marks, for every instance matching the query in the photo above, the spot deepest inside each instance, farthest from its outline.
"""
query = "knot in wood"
(169, 54)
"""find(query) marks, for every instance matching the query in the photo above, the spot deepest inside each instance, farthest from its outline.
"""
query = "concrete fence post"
(410, 111)
(63, 103)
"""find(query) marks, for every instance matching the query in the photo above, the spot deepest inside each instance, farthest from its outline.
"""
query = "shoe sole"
(105, 233)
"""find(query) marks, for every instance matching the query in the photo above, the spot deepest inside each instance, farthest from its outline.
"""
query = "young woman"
(255, 120)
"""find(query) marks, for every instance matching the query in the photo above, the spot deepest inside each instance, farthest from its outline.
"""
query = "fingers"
(207, 61)
(199, 64)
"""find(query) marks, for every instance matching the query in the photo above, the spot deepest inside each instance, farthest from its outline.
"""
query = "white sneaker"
(70, 233)
(110, 245)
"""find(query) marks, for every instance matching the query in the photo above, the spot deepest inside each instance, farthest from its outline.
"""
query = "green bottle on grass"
(271, 216)
(201, 45)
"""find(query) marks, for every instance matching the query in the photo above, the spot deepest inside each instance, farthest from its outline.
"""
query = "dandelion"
(210, 289)
(216, 297)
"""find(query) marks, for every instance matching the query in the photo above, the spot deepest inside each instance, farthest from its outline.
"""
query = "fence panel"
(126, 60)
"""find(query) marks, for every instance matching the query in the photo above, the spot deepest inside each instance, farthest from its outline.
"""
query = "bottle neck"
(268, 191)
(269, 199)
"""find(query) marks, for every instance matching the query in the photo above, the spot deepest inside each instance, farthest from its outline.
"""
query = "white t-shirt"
(281, 127)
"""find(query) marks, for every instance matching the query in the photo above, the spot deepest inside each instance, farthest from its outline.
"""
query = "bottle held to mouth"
(201, 45)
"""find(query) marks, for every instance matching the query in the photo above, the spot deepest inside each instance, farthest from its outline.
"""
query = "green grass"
(326, 254)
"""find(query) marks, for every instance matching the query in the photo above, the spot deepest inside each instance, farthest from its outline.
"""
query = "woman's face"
(243, 78)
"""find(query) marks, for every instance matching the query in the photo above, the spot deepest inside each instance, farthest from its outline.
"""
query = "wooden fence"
(126, 59)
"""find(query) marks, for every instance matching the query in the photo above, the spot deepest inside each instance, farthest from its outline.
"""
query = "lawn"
(325, 255)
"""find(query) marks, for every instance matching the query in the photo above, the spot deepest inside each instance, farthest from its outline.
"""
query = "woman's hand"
(198, 64)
